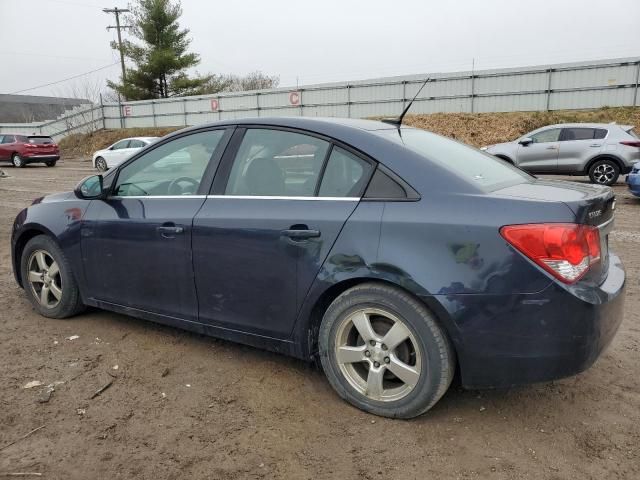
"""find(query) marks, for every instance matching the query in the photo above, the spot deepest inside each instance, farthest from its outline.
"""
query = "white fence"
(581, 85)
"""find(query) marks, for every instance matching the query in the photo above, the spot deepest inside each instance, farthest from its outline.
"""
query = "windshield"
(484, 170)
(40, 140)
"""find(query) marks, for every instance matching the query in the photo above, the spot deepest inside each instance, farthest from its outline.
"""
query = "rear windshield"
(484, 170)
(40, 140)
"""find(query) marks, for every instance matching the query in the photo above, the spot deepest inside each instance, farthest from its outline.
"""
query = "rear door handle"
(552, 148)
(595, 145)
(299, 234)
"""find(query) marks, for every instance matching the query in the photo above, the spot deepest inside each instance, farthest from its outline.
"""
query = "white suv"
(601, 151)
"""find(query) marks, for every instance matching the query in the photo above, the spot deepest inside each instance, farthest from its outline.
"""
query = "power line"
(64, 79)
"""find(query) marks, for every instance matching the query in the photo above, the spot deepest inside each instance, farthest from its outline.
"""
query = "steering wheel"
(175, 185)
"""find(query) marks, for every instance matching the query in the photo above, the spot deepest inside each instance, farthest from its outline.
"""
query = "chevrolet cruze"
(392, 256)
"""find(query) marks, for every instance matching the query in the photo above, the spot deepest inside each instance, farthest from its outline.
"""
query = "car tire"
(366, 375)
(50, 164)
(604, 172)
(44, 265)
(17, 161)
(101, 164)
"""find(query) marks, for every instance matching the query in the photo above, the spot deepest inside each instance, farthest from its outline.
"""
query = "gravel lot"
(186, 406)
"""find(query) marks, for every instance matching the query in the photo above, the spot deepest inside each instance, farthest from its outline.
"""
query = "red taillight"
(29, 145)
(631, 143)
(566, 250)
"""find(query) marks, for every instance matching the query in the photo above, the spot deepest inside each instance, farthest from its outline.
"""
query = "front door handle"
(300, 234)
(552, 148)
(595, 145)
(169, 231)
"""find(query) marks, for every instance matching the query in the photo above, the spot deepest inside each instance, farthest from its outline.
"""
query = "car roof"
(588, 125)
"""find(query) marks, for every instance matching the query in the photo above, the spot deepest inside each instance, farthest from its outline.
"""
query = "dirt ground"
(186, 406)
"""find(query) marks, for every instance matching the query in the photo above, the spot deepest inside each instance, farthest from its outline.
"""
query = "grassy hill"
(473, 128)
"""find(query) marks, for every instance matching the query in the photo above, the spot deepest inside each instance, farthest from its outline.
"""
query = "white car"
(120, 151)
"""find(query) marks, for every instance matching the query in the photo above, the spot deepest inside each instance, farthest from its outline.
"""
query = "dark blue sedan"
(392, 255)
(633, 180)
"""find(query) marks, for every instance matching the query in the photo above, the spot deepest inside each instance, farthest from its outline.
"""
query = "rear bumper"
(633, 182)
(504, 341)
(40, 158)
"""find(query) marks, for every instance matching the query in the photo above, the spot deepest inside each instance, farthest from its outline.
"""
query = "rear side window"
(552, 135)
(344, 175)
(136, 144)
(569, 134)
(277, 163)
(40, 140)
(8, 139)
(481, 169)
(633, 133)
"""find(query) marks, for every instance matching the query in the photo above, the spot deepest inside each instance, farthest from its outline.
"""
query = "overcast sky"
(43, 41)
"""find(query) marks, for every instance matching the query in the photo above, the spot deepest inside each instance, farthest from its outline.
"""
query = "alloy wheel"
(604, 173)
(17, 161)
(101, 165)
(378, 354)
(44, 278)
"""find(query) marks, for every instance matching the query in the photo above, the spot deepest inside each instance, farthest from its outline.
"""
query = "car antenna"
(398, 121)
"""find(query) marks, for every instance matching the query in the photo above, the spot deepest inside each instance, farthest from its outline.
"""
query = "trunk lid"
(591, 205)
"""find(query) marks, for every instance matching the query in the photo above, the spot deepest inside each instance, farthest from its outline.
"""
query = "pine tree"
(161, 57)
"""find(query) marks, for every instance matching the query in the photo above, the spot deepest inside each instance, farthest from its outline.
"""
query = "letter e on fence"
(127, 110)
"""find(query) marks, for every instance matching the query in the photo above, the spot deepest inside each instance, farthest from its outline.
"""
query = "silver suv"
(602, 151)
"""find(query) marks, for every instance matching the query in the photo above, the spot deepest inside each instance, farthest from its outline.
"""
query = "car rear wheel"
(384, 352)
(17, 161)
(101, 164)
(48, 280)
(604, 172)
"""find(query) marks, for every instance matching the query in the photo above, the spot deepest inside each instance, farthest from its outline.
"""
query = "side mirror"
(525, 141)
(90, 188)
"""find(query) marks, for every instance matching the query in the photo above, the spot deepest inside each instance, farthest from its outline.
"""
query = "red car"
(23, 149)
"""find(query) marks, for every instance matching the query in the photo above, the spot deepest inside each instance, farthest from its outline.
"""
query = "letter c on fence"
(214, 105)
(294, 98)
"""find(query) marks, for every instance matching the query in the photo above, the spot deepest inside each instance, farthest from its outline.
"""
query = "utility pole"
(117, 11)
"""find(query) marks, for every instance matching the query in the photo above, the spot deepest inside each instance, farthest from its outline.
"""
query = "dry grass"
(487, 128)
(473, 128)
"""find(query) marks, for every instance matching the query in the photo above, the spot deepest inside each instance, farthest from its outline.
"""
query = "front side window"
(136, 144)
(120, 145)
(546, 136)
(175, 168)
(8, 139)
(277, 163)
(344, 175)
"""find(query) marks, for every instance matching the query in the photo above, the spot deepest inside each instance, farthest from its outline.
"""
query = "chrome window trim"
(121, 197)
(240, 197)
(277, 197)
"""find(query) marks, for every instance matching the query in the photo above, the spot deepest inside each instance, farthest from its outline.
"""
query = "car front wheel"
(384, 352)
(604, 172)
(17, 161)
(101, 164)
(51, 163)
(48, 280)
